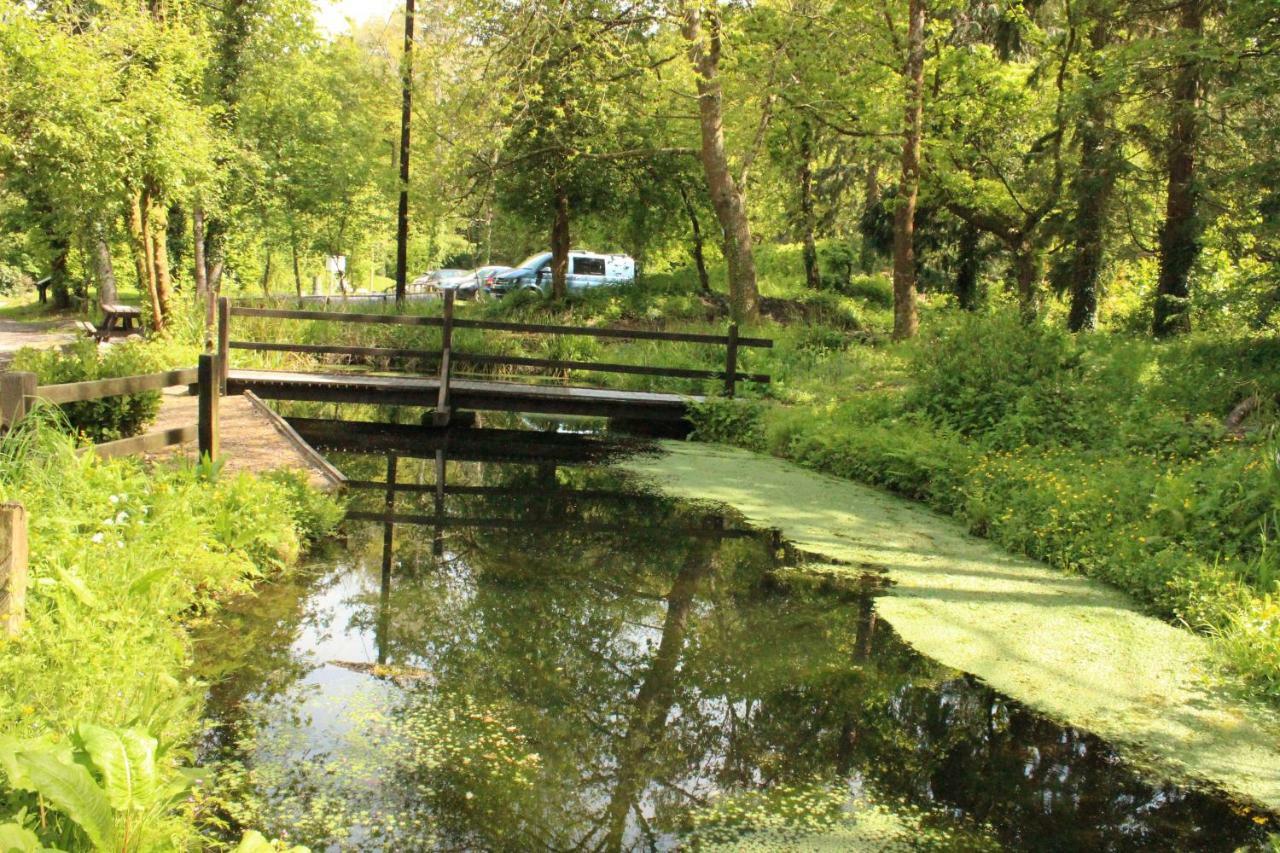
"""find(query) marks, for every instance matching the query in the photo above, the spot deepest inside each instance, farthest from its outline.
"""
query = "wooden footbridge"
(445, 392)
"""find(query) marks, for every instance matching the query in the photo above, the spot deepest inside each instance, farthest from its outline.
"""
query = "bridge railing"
(448, 357)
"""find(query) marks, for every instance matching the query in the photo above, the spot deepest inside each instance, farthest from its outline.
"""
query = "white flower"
(96, 538)
(114, 498)
(122, 517)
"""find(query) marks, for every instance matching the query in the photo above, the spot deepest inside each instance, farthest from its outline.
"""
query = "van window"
(588, 266)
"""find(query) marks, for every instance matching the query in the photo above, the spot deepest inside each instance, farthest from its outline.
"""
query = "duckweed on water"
(1068, 646)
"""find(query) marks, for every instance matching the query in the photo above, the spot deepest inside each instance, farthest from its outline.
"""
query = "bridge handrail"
(447, 322)
(495, 325)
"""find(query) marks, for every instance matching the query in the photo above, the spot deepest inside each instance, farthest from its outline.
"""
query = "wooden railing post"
(731, 361)
(442, 414)
(13, 568)
(207, 428)
(224, 335)
(17, 392)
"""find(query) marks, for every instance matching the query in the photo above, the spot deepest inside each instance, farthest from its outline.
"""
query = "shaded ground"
(1073, 648)
(250, 442)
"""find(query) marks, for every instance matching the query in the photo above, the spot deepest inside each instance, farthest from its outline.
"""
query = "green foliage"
(111, 417)
(108, 788)
(121, 557)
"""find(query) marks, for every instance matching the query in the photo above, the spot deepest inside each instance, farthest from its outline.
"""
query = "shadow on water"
(518, 648)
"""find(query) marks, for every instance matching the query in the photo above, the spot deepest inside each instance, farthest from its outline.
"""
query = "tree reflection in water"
(563, 661)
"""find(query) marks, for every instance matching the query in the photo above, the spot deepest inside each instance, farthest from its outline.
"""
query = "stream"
(520, 647)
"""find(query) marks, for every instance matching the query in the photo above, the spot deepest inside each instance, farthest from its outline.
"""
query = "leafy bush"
(112, 417)
(1000, 377)
(13, 280)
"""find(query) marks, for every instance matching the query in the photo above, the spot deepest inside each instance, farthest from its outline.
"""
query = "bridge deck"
(470, 394)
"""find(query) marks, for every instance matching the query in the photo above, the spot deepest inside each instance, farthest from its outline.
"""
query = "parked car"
(586, 270)
(485, 277)
(437, 280)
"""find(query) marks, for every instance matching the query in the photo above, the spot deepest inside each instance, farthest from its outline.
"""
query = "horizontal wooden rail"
(97, 389)
(507, 491)
(494, 325)
(509, 360)
(147, 442)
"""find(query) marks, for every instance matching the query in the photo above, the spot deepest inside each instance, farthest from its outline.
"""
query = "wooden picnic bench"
(123, 317)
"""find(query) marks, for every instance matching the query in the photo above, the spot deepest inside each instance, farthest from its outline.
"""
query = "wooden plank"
(147, 443)
(13, 568)
(731, 361)
(508, 360)
(494, 325)
(327, 468)
(337, 316)
(441, 416)
(334, 349)
(76, 392)
(17, 392)
(606, 367)
(224, 333)
(207, 443)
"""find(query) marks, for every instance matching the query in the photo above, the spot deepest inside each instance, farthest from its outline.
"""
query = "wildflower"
(96, 538)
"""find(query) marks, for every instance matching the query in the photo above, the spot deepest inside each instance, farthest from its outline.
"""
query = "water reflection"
(546, 657)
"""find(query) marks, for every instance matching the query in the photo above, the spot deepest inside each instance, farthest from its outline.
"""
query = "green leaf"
(71, 790)
(127, 762)
(18, 839)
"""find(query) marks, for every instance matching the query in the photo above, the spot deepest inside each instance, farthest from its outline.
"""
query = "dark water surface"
(543, 656)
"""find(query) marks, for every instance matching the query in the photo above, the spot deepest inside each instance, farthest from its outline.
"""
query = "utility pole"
(402, 217)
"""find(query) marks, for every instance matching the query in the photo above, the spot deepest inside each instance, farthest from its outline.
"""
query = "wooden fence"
(20, 391)
(448, 358)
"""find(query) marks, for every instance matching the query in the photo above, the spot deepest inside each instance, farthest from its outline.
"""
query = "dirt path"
(15, 335)
(249, 440)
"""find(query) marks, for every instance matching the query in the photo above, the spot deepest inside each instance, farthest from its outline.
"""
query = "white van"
(586, 270)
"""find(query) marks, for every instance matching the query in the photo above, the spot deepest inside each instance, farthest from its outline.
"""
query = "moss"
(1073, 648)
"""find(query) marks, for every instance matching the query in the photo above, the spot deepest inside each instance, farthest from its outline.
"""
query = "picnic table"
(122, 317)
(115, 317)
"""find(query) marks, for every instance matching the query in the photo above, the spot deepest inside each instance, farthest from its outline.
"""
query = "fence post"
(13, 568)
(207, 428)
(441, 417)
(17, 391)
(731, 361)
(224, 334)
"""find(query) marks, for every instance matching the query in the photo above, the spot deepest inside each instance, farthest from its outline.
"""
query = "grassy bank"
(97, 713)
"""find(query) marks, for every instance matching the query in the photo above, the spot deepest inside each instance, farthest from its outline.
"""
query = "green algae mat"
(1074, 649)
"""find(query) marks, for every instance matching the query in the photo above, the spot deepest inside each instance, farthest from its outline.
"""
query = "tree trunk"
(297, 270)
(266, 275)
(1180, 235)
(164, 283)
(699, 259)
(406, 115)
(967, 271)
(103, 271)
(1026, 274)
(1095, 180)
(204, 296)
(214, 254)
(560, 247)
(812, 276)
(58, 276)
(906, 321)
(870, 201)
(726, 196)
(143, 255)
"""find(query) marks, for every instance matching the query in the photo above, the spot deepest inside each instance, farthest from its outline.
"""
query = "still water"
(519, 648)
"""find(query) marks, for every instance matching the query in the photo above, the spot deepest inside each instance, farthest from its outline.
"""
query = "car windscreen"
(533, 261)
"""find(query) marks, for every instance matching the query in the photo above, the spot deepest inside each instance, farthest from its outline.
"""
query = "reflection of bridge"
(445, 393)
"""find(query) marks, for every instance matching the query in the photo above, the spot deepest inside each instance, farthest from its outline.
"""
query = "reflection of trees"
(653, 659)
